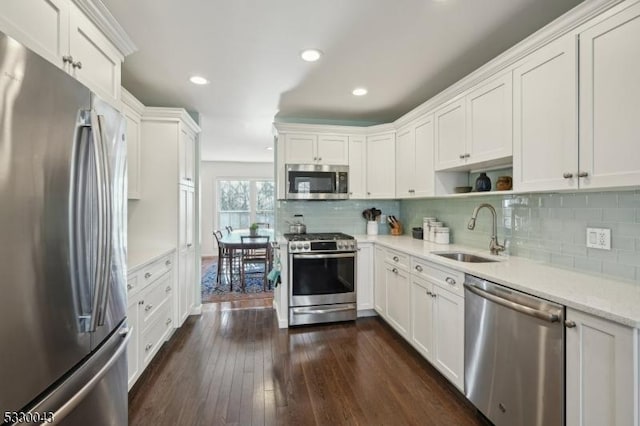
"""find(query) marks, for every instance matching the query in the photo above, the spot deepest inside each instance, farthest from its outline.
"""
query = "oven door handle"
(301, 311)
(323, 256)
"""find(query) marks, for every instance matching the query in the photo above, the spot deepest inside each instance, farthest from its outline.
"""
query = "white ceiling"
(403, 51)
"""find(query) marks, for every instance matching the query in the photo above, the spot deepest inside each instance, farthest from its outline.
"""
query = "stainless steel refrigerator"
(63, 330)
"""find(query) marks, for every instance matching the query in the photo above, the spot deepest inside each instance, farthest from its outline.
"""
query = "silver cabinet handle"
(319, 158)
(419, 268)
(567, 175)
(168, 321)
(167, 263)
(467, 155)
(315, 158)
(148, 275)
(450, 281)
(394, 270)
(129, 286)
(188, 179)
(168, 289)
(396, 258)
(149, 346)
(189, 245)
(67, 59)
(148, 308)
(141, 302)
(583, 174)
(569, 323)
(433, 295)
(77, 65)
(461, 156)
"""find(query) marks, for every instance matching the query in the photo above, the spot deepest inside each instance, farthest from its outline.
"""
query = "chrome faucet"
(494, 246)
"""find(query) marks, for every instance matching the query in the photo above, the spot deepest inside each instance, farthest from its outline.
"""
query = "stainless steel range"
(322, 278)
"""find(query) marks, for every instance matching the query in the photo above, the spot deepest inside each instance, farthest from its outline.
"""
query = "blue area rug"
(214, 292)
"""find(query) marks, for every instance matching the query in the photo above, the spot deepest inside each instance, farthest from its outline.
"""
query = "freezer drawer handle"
(148, 308)
(73, 402)
(543, 315)
(302, 311)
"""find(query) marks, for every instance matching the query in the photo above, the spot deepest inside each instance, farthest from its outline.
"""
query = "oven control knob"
(341, 245)
(306, 246)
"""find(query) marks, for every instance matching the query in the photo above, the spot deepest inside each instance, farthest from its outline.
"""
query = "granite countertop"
(140, 257)
(608, 298)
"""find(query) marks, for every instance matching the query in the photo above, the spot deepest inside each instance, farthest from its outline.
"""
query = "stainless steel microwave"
(317, 182)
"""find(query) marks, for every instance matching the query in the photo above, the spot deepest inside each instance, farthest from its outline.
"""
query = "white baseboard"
(367, 313)
(196, 310)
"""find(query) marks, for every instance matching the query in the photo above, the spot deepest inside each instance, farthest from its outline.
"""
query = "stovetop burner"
(319, 236)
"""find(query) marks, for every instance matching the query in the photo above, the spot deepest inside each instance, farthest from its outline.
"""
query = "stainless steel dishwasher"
(513, 355)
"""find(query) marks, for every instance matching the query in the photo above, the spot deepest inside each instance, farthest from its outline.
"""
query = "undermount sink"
(465, 257)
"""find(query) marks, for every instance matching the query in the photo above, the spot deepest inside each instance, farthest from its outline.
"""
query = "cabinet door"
(357, 167)
(405, 162)
(398, 299)
(450, 135)
(381, 166)
(187, 152)
(490, 121)
(41, 25)
(424, 176)
(184, 272)
(364, 284)
(449, 335)
(610, 101)
(600, 371)
(380, 283)
(190, 218)
(133, 153)
(422, 317)
(333, 150)
(134, 360)
(300, 148)
(96, 62)
(545, 143)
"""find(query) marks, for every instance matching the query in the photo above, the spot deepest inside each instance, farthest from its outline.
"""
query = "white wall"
(210, 171)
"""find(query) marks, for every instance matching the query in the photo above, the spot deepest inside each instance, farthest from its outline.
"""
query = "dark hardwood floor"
(233, 366)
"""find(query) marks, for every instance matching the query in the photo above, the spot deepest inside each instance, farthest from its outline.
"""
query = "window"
(242, 202)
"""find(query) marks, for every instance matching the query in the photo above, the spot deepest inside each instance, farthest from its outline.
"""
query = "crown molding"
(332, 129)
(564, 24)
(131, 101)
(171, 114)
(98, 13)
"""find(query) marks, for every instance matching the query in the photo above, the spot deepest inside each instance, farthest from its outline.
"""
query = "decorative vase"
(504, 183)
(483, 183)
(253, 232)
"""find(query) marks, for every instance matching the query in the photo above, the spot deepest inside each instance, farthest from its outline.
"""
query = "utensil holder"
(372, 227)
(397, 230)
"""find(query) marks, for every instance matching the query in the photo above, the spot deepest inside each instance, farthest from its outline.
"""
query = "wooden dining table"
(233, 243)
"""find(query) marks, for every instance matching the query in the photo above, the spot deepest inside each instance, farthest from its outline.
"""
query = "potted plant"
(253, 229)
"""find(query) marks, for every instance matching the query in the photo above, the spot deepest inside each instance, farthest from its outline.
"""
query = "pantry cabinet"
(60, 32)
(316, 149)
(357, 167)
(187, 160)
(602, 371)
(545, 145)
(132, 110)
(610, 101)
(414, 159)
(381, 173)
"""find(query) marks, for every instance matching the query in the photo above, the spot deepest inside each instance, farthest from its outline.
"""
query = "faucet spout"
(494, 246)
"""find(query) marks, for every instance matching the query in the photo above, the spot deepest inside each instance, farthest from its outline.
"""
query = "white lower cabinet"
(364, 274)
(150, 289)
(422, 316)
(398, 299)
(448, 331)
(602, 371)
(380, 283)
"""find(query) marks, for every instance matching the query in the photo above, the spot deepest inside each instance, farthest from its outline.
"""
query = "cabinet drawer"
(397, 259)
(446, 278)
(153, 271)
(153, 299)
(153, 336)
(133, 284)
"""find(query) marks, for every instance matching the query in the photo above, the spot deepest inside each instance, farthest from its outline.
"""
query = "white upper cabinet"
(545, 144)
(381, 166)
(414, 159)
(133, 110)
(610, 101)
(61, 33)
(187, 157)
(450, 147)
(316, 149)
(357, 167)
(490, 121)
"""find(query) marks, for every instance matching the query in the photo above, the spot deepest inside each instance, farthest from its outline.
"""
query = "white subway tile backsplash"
(618, 270)
(602, 200)
(620, 214)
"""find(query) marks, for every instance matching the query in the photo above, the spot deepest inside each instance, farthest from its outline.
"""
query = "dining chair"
(255, 253)
(226, 259)
(229, 229)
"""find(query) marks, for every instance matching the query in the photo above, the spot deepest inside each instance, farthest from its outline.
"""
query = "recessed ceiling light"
(360, 91)
(196, 79)
(269, 148)
(310, 55)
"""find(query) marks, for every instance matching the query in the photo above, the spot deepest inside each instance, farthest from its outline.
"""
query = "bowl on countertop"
(462, 189)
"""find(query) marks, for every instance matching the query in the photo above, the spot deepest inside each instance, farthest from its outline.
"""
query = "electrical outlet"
(599, 238)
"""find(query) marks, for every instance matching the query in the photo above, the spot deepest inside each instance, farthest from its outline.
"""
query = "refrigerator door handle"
(108, 220)
(96, 305)
(76, 399)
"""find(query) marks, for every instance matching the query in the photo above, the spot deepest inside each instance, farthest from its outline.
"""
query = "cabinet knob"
(167, 263)
(467, 155)
(583, 174)
(315, 158)
(433, 295)
(168, 321)
(141, 302)
(129, 286)
(148, 275)
(189, 245)
(67, 59)
(319, 158)
(168, 289)
(569, 323)
(418, 268)
(77, 65)
(394, 270)
(149, 346)
(450, 281)
(396, 258)
(461, 156)
(148, 308)
(368, 193)
(567, 175)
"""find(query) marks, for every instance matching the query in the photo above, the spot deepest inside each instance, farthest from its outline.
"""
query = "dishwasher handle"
(543, 315)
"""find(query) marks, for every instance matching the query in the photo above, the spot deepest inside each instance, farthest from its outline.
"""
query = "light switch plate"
(599, 238)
